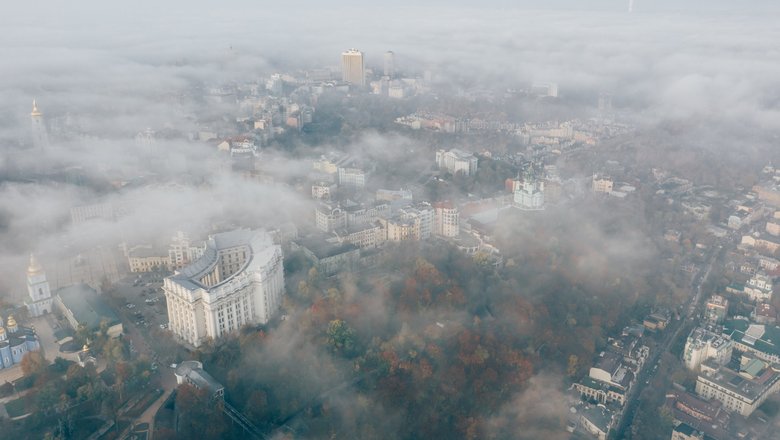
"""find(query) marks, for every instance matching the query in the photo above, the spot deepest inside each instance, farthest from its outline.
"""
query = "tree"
(33, 363)
(341, 337)
(573, 366)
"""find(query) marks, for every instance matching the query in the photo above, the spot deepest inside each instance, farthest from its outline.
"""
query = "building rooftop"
(260, 250)
(764, 338)
(194, 372)
(731, 380)
(87, 306)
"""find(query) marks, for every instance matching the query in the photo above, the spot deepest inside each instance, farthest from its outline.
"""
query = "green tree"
(341, 337)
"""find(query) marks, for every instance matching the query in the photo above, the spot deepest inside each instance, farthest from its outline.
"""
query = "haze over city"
(487, 220)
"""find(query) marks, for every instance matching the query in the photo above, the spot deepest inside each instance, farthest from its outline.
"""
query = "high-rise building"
(389, 64)
(40, 136)
(446, 220)
(352, 67)
(239, 280)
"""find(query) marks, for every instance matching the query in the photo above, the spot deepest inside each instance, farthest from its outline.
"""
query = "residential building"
(764, 313)
(414, 222)
(352, 67)
(192, 373)
(759, 287)
(362, 236)
(610, 369)
(239, 280)
(600, 392)
(322, 190)
(389, 66)
(758, 339)
(596, 420)
(388, 195)
(455, 161)
(328, 218)
(684, 431)
(181, 251)
(84, 213)
(329, 258)
(352, 177)
(716, 309)
(446, 219)
(708, 416)
(147, 259)
(602, 184)
(702, 345)
(740, 391)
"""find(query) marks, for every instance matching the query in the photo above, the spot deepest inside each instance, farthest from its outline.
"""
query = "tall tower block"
(40, 136)
(352, 67)
(389, 64)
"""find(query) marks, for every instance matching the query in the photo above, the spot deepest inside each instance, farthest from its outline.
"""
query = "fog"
(102, 72)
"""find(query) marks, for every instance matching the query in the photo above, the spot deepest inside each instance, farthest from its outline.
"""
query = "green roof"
(768, 343)
(89, 308)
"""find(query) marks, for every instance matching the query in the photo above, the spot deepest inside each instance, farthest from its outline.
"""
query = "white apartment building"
(352, 67)
(352, 177)
(446, 220)
(238, 280)
(759, 287)
(602, 184)
(703, 345)
(328, 218)
(740, 391)
(457, 160)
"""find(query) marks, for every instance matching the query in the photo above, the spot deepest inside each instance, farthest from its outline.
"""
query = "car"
(130, 306)
(163, 326)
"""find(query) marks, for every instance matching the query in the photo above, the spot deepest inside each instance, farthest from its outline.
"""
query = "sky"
(116, 69)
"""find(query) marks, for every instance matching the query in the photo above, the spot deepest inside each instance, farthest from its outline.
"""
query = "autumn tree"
(33, 363)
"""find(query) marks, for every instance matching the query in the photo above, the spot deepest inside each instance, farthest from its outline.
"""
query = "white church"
(40, 302)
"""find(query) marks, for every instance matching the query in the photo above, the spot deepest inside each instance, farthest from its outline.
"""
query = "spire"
(35, 111)
(35, 267)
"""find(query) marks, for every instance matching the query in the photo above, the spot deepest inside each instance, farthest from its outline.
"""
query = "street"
(672, 334)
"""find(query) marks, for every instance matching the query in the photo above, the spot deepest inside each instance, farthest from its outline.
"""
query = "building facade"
(740, 391)
(15, 342)
(239, 280)
(446, 220)
(456, 161)
(702, 345)
(352, 67)
(38, 289)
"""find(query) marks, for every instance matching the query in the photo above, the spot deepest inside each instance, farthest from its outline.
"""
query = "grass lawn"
(21, 406)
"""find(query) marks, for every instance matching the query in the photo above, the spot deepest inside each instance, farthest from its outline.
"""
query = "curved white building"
(239, 280)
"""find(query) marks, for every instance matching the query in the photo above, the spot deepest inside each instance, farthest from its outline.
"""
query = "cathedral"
(15, 342)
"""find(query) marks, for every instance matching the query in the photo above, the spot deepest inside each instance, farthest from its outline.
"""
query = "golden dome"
(85, 347)
(11, 322)
(35, 111)
(35, 267)
(2, 330)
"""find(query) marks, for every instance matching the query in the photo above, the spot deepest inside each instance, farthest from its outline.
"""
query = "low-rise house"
(192, 373)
